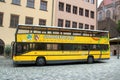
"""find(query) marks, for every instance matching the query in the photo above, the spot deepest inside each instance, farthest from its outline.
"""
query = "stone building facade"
(109, 9)
(108, 14)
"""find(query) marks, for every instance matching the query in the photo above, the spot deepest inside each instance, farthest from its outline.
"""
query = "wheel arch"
(90, 59)
(41, 57)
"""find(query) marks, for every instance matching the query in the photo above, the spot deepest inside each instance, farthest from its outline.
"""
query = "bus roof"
(55, 28)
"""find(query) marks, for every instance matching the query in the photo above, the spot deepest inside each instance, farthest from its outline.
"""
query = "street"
(102, 70)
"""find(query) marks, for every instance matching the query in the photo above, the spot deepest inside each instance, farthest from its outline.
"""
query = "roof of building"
(105, 2)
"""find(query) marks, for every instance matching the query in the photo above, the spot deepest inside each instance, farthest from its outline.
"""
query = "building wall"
(108, 15)
(7, 34)
(114, 49)
(76, 17)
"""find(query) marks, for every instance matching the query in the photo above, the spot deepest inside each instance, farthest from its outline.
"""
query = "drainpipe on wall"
(52, 13)
(96, 15)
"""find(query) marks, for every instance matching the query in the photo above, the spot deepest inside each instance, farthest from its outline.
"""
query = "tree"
(7, 50)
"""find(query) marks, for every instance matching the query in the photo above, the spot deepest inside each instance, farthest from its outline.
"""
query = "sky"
(99, 1)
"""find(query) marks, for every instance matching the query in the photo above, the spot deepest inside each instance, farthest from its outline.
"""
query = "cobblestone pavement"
(104, 70)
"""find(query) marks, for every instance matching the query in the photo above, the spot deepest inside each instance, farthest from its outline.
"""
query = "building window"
(61, 6)
(42, 22)
(108, 14)
(87, 13)
(67, 23)
(60, 22)
(100, 16)
(2, 0)
(87, 0)
(81, 11)
(74, 25)
(74, 9)
(92, 14)
(86, 26)
(14, 21)
(29, 20)
(81, 25)
(92, 1)
(43, 5)
(1, 19)
(30, 3)
(92, 27)
(16, 2)
(68, 8)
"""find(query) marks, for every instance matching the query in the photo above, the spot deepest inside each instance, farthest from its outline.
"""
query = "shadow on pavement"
(60, 64)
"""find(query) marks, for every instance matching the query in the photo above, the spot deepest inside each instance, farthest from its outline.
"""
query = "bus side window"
(85, 47)
(37, 47)
(43, 46)
(102, 34)
(40, 46)
(104, 47)
(75, 47)
(79, 47)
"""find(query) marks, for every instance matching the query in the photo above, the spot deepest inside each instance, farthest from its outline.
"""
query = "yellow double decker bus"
(45, 44)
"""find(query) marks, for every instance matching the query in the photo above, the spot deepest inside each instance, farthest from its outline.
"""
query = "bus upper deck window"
(101, 35)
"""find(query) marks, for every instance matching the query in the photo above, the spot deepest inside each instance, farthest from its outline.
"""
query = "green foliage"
(2, 0)
(7, 50)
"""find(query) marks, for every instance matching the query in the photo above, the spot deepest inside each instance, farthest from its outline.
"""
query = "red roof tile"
(106, 2)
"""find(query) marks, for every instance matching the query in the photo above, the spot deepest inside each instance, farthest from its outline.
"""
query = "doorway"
(2, 46)
(114, 53)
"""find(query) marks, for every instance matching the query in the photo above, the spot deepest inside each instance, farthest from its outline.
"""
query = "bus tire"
(15, 64)
(90, 59)
(40, 61)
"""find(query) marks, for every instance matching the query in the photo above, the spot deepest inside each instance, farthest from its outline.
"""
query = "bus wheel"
(15, 64)
(40, 61)
(90, 60)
